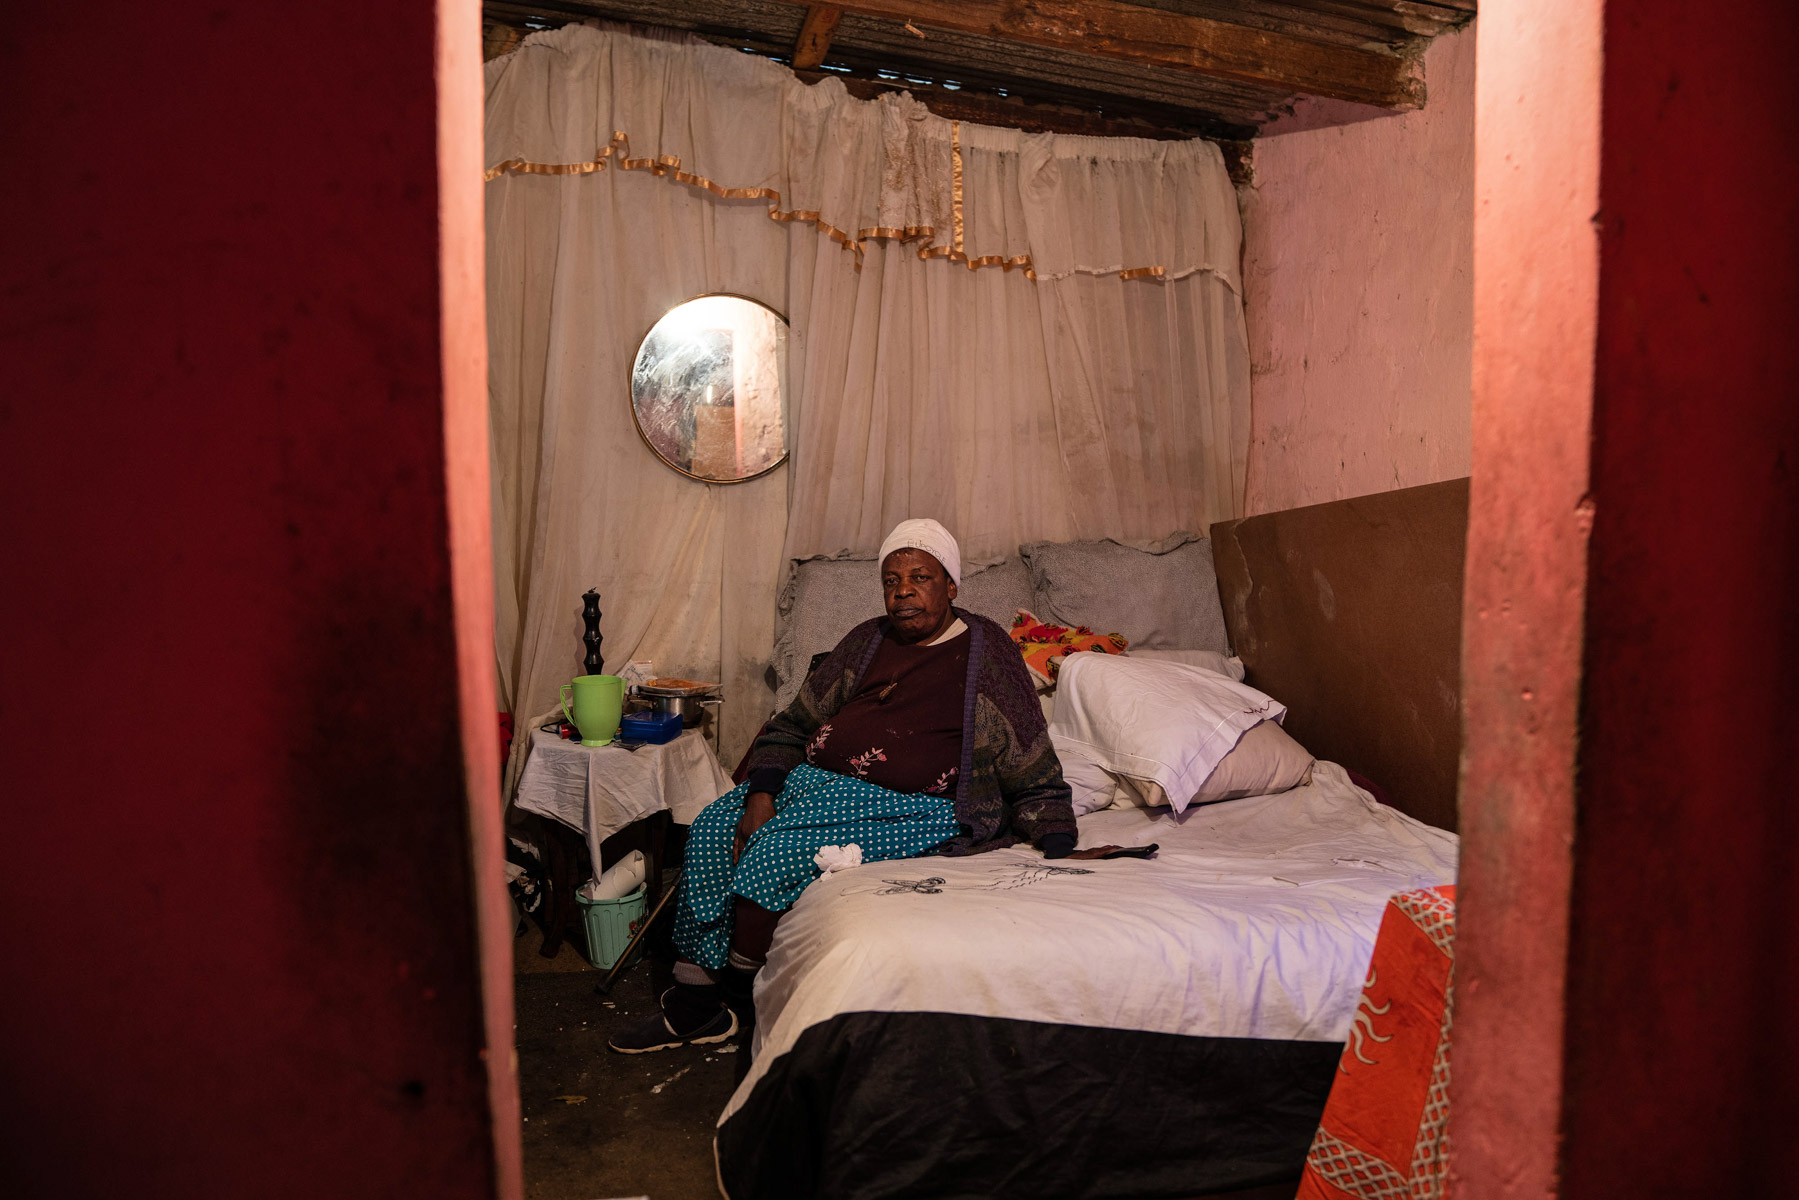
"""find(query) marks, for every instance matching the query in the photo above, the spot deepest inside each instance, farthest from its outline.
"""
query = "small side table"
(599, 791)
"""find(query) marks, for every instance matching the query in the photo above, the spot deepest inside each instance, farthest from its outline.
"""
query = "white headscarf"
(922, 533)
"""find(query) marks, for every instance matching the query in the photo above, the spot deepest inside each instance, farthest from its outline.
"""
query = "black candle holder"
(593, 664)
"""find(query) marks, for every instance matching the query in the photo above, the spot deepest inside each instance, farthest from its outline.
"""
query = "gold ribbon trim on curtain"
(669, 165)
(955, 182)
(954, 252)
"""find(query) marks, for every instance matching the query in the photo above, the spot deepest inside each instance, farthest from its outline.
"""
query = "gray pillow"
(1164, 598)
(1266, 761)
(823, 600)
(826, 598)
(996, 592)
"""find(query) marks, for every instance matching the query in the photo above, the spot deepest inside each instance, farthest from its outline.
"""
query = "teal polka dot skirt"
(816, 808)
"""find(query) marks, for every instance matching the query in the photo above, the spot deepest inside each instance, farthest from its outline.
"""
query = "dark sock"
(736, 988)
(688, 1006)
(752, 930)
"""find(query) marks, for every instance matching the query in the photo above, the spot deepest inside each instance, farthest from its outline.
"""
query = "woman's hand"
(758, 810)
(1094, 852)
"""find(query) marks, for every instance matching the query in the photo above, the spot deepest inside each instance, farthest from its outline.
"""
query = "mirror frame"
(631, 395)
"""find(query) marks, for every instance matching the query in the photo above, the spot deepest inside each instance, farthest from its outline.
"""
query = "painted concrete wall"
(1537, 272)
(240, 939)
(1358, 259)
(1626, 945)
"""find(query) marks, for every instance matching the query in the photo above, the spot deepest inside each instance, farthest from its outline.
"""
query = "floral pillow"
(1044, 646)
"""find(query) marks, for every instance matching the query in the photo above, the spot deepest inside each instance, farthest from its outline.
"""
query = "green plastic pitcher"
(599, 699)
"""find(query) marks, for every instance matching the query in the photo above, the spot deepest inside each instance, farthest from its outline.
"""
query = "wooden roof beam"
(815, 35)
(1012, 113)
(1173, 40)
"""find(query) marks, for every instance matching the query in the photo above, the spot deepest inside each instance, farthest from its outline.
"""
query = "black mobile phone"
(1148, 851)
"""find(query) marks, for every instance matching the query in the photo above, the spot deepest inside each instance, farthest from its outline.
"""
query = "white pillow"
(1093, 789)
(1209, 660)
(1164, 723)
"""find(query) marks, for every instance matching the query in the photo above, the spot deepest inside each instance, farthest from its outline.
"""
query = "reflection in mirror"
(708, 388)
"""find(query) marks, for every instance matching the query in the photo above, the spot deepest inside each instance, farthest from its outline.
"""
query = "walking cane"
(604, 987)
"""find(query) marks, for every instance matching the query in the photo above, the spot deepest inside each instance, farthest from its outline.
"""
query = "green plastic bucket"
(611, 924)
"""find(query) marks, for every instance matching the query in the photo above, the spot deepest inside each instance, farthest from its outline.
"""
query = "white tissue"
(620, 879)
(837, 858)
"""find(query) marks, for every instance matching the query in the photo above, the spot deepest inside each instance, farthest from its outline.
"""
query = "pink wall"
(1536, 263)
(1627, 948)
(241, 951)
(462, 348)
(1358, 290)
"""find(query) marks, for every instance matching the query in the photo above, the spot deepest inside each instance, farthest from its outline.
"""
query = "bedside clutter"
(592, 793)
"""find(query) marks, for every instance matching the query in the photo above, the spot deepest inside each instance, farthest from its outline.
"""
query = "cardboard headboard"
(1350, 614)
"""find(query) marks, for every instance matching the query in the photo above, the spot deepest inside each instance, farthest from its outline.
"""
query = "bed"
(1004, 1025)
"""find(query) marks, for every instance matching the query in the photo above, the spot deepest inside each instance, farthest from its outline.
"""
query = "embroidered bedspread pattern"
(1384, 1132)
(1256, 920)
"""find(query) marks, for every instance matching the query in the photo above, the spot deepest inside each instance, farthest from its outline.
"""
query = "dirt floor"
(600, 1125)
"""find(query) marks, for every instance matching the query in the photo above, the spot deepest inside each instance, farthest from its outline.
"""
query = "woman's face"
(918, 591)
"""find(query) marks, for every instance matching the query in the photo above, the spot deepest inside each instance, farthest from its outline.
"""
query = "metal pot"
(687, 706)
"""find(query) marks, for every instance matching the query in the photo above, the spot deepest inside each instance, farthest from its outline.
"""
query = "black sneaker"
(662, 1032)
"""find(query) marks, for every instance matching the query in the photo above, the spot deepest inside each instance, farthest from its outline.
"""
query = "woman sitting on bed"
(919, 734)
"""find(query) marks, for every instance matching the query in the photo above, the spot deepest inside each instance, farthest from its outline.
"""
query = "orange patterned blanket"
(1383, 1132)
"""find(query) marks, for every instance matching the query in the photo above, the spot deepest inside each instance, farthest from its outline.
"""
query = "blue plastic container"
(652, 727)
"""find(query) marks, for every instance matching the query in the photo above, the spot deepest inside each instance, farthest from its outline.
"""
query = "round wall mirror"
(708, 389)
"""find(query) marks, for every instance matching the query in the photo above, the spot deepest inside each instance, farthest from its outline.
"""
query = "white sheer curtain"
(578, 270)
(1025, 336)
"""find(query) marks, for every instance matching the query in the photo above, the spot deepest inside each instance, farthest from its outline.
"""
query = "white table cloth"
(598, 790)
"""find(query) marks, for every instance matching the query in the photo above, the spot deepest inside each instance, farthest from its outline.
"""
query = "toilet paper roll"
(620, 879)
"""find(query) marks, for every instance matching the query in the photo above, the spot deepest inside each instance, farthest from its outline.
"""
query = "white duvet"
(1256, 920)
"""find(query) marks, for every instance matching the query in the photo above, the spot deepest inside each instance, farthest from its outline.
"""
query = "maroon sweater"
(902, 728)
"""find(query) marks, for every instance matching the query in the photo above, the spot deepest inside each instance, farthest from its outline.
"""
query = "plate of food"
(664, 685)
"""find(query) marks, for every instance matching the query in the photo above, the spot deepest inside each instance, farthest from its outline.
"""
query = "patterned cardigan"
(1010, 787)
